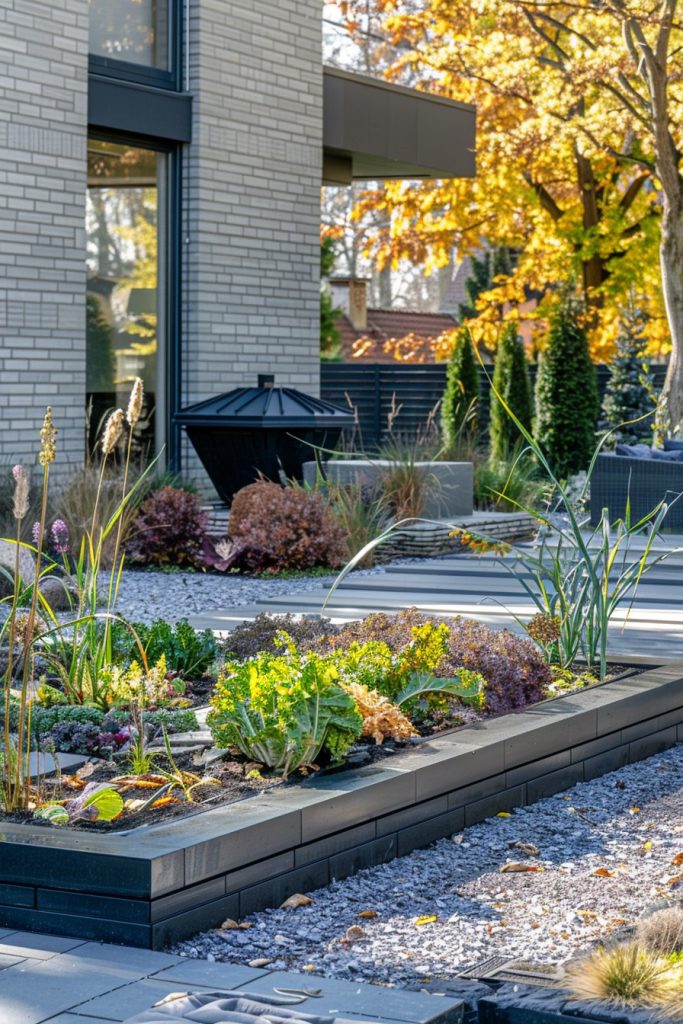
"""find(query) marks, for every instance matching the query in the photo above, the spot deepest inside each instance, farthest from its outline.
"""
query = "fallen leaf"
(308, 967)
(426, 919)
(634, 810)
(85, 770)
(648, 846)
(229, 925)
(528, 849)
(677, 860)
(355, 932)
(676, 880)
(296, 900)
(260, 962)
(534, 924)
(587, 915)
(604, 873)
(503, 814)
(368, 913)
(564, 935)
(518, 866)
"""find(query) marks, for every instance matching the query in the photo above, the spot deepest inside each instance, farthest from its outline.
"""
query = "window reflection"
(130, 30)
(122, 225)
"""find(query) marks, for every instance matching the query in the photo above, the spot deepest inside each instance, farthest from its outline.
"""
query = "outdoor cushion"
(227, 1008)
(673, 444)
(634, 451)
(643, 451)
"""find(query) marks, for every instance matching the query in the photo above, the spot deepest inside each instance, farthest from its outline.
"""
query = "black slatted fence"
(406, 395)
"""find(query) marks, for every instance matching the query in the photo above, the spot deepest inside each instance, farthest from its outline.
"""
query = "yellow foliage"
(564, 161)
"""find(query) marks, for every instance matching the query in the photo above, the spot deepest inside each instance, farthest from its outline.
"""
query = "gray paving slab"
(140, 961)
(338, 998)
(35, 990)
(71, 1018)
(36, 946)
(201, 972)
(131, 1000)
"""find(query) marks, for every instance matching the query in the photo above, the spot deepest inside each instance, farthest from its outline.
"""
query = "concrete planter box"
(450, 483)
(155, 884)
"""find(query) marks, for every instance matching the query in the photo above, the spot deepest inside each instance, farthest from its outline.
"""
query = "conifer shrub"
(462, 392)
(630, 389)
(566, 395)
(511, 382)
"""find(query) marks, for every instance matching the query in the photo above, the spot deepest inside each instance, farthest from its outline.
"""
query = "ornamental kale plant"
(284, 711)
(514, 670)
(187, 651)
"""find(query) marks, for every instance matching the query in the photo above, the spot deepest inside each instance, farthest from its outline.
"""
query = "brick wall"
(43, 113)
(251, 183)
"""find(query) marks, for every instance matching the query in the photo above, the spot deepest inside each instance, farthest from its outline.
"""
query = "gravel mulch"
(605, 852)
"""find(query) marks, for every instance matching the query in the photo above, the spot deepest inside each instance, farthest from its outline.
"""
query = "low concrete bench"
(450, 483)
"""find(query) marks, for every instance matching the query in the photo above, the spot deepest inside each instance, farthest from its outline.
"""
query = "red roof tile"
(384, 324)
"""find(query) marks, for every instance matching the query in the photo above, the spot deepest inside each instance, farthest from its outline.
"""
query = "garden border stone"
(157, 884)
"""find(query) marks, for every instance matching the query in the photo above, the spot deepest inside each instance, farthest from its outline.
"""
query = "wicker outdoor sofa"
(646, 482)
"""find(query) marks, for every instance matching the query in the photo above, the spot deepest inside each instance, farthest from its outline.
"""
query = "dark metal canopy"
(266, 407)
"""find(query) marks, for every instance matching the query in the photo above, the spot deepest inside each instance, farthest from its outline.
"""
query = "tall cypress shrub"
(630, 390)
(462, 393)
(511, 382)
(566, 395)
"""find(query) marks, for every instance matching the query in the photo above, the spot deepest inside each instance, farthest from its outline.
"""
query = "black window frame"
(172, 271)
(162, 78)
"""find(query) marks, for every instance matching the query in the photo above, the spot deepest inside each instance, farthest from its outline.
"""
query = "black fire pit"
(262, 430)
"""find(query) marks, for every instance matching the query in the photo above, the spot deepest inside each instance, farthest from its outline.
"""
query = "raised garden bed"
(158, 883)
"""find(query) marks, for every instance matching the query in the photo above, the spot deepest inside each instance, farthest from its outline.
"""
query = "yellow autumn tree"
(566, 175)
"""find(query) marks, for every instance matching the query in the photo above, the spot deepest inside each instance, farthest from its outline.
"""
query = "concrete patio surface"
(47, 979)
(482, 587)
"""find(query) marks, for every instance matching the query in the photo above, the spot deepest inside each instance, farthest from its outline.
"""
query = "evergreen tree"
(511, 382)
(567, 400)
(460, 403)
(630, 390)
(329, 335)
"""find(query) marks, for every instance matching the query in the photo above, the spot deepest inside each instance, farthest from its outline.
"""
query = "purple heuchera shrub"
(169, 529)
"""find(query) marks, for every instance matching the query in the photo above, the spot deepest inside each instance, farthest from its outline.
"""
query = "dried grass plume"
(20, 500)
(112, 432)
(135, 402)
(48, 440)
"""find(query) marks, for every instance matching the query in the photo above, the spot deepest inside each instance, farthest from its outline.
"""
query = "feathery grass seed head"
(48, 439)
(112, 432)
(20, 500)
(135, 402)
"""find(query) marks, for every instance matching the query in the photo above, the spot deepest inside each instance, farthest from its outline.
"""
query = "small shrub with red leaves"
(291, 528)
(169, 529)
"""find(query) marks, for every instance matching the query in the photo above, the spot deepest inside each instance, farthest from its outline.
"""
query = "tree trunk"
(671, 258)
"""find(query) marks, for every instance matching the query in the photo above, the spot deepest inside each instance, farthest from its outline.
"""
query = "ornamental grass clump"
(662, 932)
(285, 711)
(625, 974)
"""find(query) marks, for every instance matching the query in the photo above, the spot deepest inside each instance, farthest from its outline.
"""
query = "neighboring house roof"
(384, 325)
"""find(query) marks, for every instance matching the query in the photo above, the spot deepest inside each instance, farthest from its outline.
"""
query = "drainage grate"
(519, 972)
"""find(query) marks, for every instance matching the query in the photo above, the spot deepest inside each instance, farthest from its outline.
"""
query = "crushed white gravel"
(606, 852)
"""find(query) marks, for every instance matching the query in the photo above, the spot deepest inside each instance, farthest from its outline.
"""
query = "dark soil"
(234, 778)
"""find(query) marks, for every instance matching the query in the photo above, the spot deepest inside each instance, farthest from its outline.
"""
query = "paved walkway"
(483, 588)
(46, 978)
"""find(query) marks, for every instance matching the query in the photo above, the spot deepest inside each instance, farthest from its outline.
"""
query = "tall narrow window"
(136, 31)
(124, 307)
